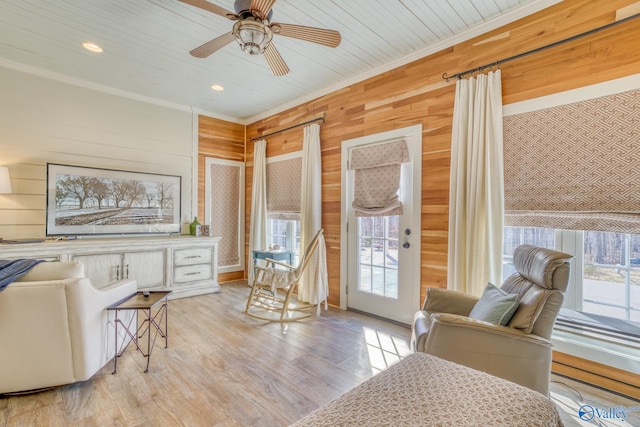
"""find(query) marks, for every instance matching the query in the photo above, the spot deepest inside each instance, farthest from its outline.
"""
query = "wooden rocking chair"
(273, 289)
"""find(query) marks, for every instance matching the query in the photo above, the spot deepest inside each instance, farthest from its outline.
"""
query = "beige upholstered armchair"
(54, 328)
(519, 351)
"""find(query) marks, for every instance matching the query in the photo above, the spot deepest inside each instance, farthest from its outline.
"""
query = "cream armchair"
(54, 328)
(520, 351)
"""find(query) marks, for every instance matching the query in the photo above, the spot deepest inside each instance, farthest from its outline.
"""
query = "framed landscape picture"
(85, 201)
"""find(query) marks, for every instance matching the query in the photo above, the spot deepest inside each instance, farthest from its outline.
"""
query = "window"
(605, 285)
(611, 275)
(516, 236)
(284, 178)
(379, 255)
(286, 234)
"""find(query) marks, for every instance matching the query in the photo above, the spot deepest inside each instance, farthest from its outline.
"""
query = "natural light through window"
(605, 268)
(611, 279)
(383, 349)
(379, 255)
(285, 234)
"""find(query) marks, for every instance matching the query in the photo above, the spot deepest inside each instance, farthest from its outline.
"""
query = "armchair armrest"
(447, 301)
(118, 284)
(479, 326)
(91, 325)
(498, 350)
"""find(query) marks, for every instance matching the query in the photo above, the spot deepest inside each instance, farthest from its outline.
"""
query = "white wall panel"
(44, 121)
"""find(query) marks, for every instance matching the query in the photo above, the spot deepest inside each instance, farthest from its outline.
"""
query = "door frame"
(413, 136)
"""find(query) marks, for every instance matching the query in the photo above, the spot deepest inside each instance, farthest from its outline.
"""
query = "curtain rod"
(317, 119)
(539, 49)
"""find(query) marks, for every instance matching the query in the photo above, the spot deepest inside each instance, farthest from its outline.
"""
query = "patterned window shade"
(575, 166)
(377, 178)
(284, 180)
(226, 182)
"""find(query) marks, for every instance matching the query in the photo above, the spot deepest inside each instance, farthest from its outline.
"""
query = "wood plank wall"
(218, 139)
(416, 93)
(596, 373)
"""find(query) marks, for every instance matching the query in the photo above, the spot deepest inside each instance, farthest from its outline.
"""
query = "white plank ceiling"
(146, 45)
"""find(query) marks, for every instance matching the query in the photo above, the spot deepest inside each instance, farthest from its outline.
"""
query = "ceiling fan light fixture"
(252, 36)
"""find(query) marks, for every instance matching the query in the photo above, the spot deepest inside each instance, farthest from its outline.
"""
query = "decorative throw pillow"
(495, 306)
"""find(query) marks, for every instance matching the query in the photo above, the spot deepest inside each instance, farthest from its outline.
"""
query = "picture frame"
(94, 201)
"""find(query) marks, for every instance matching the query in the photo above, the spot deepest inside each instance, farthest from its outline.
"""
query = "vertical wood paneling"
(416, 93)
(218, 139)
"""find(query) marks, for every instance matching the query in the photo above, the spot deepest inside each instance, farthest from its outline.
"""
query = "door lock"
(406, 245)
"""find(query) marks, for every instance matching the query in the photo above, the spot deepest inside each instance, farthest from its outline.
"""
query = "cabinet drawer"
(192, 256)
(192, 273)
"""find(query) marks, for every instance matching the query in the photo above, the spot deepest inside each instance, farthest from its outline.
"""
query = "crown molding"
(74, 81)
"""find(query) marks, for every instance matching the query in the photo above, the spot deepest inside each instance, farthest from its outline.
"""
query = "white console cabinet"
(184, 264)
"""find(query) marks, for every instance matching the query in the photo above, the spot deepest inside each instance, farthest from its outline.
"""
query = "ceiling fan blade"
(211, 46)
(210, 7)
(322, 36)
(275, 61)
(264, 6)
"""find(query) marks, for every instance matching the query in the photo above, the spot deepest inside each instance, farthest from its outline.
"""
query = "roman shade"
(225, 183)
(284, 179)
(377, 171)
(575, 166)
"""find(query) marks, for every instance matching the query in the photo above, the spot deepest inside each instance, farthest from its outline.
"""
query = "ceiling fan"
(254, 32)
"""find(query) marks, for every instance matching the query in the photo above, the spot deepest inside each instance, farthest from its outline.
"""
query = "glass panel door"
(378, 262)
(381, 254)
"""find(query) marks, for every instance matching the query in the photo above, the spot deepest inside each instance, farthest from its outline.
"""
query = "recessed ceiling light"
(217, 87)
(92, 47)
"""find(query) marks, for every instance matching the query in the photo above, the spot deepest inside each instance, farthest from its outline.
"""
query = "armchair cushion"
(531, 305)
(542, 266)
(447, 301)
(495, 306)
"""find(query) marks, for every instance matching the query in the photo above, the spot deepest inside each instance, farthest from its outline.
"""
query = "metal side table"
(142, 303)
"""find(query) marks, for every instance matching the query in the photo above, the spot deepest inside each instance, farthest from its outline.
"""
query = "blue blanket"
(12, 270)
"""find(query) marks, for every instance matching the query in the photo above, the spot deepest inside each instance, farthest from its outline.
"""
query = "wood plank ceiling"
(146, 45)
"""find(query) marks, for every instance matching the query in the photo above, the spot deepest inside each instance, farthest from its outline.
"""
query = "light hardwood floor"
(223, 368)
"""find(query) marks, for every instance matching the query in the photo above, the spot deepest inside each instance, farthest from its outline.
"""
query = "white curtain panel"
(476, 196)
(258, 221)
(313, 287)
